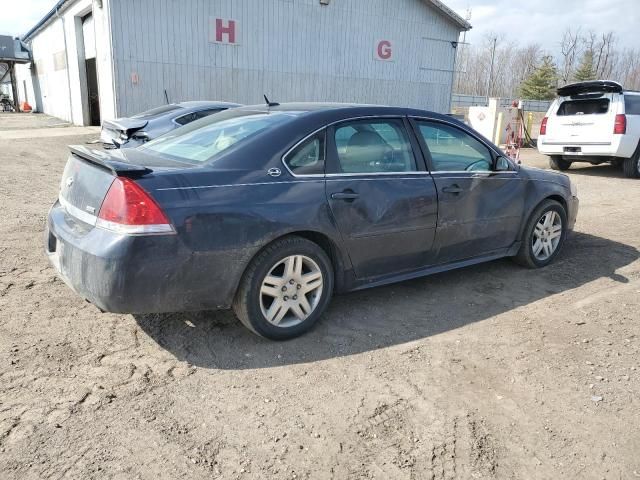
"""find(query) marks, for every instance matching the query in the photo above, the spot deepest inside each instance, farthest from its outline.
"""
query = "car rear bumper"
(621, 146)
(138, 274)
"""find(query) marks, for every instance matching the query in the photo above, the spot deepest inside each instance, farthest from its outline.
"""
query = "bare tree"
(570, 50)
(513, 63)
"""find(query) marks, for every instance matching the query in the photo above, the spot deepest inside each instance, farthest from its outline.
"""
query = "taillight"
(620, 127)
(543, 126)
(127, 208)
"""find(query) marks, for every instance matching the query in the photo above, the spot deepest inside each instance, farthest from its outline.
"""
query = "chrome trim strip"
(156, 229)
(77, 213)
(571, 144)
(476, 173)
(197, 187)
(376, 174)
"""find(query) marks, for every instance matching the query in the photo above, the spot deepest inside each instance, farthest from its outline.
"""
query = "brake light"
(543, 126)
(128, 208)
(620, 127)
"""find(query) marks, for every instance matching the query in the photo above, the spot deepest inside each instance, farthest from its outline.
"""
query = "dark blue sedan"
(273, 209)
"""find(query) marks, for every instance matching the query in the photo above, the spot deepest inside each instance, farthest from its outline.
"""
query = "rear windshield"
(204, 139)
(155, 112)
(632, 104)
(584, 107)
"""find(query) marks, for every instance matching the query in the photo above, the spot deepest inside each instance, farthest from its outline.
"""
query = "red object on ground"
(25, 107)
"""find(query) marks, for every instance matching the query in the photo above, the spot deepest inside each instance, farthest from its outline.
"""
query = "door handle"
(455, 189)
(346, 195)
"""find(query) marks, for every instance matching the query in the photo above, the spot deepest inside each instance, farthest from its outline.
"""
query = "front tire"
(543, 236)
(285, 289)
(558, 163)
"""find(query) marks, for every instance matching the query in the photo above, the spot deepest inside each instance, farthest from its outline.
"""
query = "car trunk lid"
(119, 130)
(87, 177)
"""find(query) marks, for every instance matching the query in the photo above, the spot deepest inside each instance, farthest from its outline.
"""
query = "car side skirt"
(423, 272)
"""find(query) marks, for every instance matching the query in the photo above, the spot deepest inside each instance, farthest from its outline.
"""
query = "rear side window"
(632, 104)
(595, 106)
(308, 157)
(374, 146)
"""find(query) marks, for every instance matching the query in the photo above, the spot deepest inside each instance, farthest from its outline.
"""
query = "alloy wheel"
(291, 291)
(546, 235)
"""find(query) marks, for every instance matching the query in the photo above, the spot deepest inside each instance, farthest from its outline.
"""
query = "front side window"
(374, 146)
(203, 140)
(308, 157)
(453, 150)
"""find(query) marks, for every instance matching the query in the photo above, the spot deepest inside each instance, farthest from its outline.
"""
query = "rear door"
(382, 198)
(480, 209)
(586, 119)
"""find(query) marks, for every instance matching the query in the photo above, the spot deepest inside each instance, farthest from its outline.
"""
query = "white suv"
(594, 122)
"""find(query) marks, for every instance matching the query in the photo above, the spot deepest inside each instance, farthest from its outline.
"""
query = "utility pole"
(493, 57)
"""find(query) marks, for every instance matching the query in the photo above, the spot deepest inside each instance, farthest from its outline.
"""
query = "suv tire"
(631, 166)
(558, 163)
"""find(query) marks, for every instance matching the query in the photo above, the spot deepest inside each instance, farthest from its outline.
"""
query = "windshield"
(204, 139)
(156, 112)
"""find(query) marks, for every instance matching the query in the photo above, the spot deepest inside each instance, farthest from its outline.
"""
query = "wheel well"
(559, 199)
(323, 241)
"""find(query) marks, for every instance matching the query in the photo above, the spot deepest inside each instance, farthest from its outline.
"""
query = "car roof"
(345, 109)
(207, 104)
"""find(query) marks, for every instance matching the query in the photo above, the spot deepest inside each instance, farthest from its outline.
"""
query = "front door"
(480, 209)
(381, 196)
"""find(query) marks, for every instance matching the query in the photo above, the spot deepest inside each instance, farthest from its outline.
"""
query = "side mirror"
(502, 165)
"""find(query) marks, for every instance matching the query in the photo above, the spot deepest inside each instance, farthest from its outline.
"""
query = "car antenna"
(270, 104)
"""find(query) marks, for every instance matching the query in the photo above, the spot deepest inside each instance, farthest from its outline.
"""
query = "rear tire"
(631, 166)
(290, 282)
(558, 163)
(535, 231)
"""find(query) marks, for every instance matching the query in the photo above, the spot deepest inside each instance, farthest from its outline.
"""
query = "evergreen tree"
(541, 83)
(586, 70)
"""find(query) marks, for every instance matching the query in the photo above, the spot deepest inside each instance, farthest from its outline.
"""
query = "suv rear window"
(632, 104)
(596, 106)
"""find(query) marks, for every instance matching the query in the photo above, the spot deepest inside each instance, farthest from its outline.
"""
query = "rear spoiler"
(590, 87)
(109, 161)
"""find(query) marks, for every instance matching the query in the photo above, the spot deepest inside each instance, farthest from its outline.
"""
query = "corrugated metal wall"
(292, 50)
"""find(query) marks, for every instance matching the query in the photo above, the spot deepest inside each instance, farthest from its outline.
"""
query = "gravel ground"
(492, 371)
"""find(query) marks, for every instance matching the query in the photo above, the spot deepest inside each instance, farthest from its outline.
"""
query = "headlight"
(574, 189)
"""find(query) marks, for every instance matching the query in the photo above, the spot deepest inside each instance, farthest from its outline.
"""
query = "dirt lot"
(489, 372)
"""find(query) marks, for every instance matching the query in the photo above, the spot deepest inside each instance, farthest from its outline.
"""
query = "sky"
(522, 21)
(18, 16)
(544, 21)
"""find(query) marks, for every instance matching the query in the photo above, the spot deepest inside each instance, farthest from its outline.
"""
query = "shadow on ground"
(385, 316)
(602, 170)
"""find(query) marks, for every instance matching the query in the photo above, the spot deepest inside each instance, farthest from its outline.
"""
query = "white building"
(106, 58)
